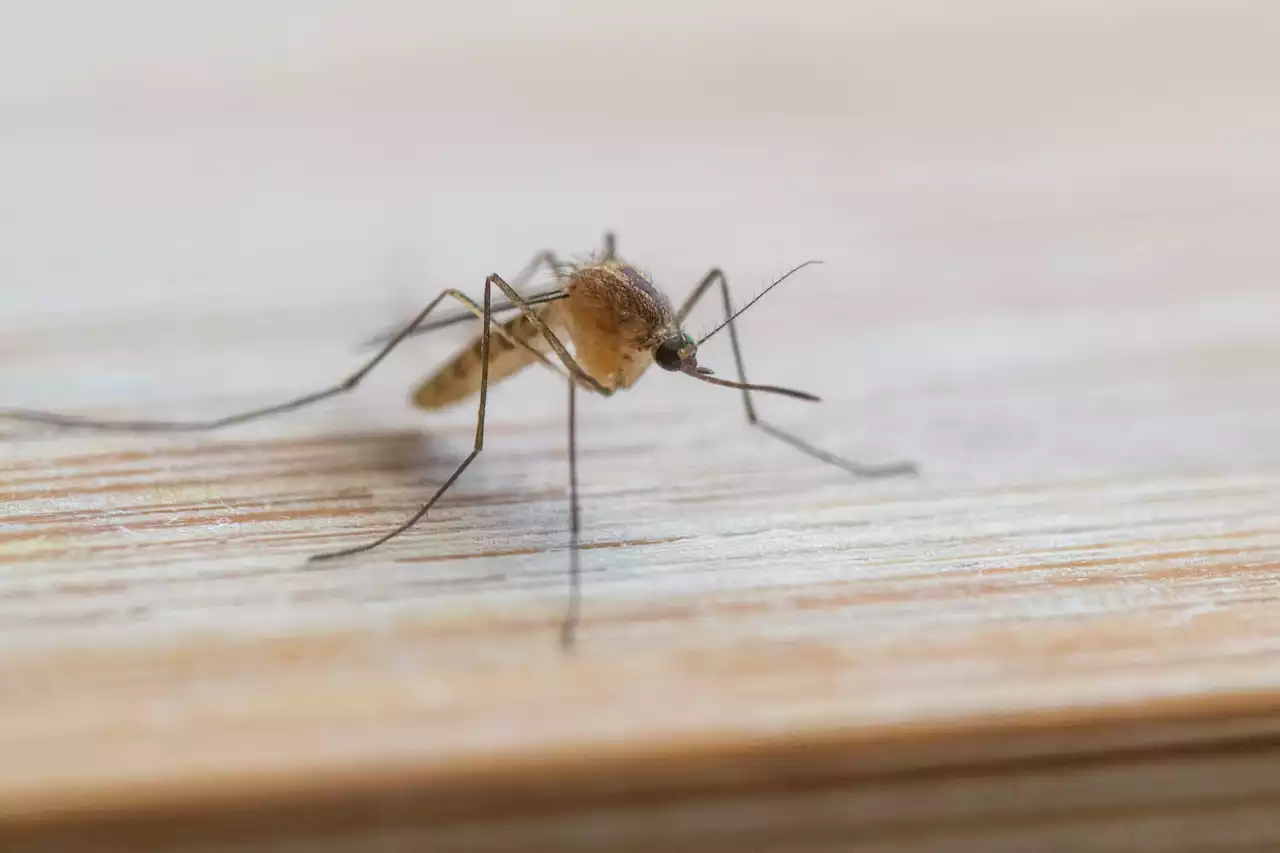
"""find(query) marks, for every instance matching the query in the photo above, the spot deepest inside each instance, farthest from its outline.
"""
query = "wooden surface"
(1051, 278)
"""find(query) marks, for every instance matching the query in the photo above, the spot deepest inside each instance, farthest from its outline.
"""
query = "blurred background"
(994, 185)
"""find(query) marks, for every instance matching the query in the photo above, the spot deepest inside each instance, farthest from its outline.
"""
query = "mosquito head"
(677, 351)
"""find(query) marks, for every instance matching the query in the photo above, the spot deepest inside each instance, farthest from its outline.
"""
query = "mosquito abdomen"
(459, 378)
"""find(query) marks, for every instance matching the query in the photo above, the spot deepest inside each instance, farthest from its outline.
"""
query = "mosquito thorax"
(677, 351)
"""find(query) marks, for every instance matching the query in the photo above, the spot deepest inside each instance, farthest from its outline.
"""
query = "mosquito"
(619, 324)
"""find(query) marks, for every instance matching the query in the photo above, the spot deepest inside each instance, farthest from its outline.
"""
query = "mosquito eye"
(668, 354)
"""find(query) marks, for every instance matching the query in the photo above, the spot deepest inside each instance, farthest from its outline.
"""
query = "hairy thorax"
(615, 317)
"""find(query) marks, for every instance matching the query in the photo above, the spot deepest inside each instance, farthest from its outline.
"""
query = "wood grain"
(1050, 281)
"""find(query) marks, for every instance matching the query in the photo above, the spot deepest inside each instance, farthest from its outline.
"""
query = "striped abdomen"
(460, 377)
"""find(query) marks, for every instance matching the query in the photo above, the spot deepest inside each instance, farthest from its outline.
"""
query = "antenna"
(736, 314)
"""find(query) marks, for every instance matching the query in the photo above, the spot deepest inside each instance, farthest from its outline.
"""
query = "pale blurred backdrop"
(239, 169)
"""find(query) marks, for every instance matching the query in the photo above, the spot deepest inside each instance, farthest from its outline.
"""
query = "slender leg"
(558, 269)
(577, 376)
(487, 319)
(545, 257)
(486, 315)
(568, 628)
(570, 363)
(78, 422)
(861, 470)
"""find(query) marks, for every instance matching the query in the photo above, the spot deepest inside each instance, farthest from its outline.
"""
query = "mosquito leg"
(79, 422)
(568, 628)
(570, 363)
(462, 317)
(558, 268)
(716, 276)
(486, 316)
(545, 257)
(577, 376)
